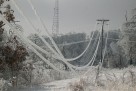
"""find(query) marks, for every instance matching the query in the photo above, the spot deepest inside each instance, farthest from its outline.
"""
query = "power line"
(73, 43)
(122, 32)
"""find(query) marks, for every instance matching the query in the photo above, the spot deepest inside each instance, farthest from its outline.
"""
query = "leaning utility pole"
(103, 21)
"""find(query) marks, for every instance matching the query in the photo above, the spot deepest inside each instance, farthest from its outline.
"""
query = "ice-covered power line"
(44, 50)
(121, 32)
(93, 57)
(52, 39)
(72, 43)
(53, 42)
(57, 57)
(49, 46)
(68, 64)
(62, 59)
(22, 13)
(83, 67)
(119, 39)
(33, 49)
(104, 52)
(72, 59)
(42, 23)
(75, 58)
(30, 23)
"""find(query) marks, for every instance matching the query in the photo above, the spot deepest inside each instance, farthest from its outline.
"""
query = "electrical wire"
(53, 42)
(33, 49)
(67, 63)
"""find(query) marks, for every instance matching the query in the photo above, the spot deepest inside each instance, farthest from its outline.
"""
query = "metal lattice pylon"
(55, 27)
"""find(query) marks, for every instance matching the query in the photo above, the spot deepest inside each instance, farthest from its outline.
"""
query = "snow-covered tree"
(128, 41)
(12, 51)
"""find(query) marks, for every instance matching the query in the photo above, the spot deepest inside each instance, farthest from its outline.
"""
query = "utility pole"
(103, 21)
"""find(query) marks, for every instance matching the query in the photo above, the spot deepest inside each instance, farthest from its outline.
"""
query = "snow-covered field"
(94, 80)
(107, 80)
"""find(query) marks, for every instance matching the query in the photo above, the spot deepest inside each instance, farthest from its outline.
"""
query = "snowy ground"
(108, 80)
(60, 85)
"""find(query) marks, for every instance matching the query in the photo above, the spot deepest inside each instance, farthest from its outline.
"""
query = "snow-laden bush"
(78, 86)
(4, 85)
(108, 80)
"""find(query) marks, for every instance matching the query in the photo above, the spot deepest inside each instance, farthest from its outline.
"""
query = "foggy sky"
(77, 15)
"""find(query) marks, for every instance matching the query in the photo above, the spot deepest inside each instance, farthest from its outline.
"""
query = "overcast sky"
(77, 15)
